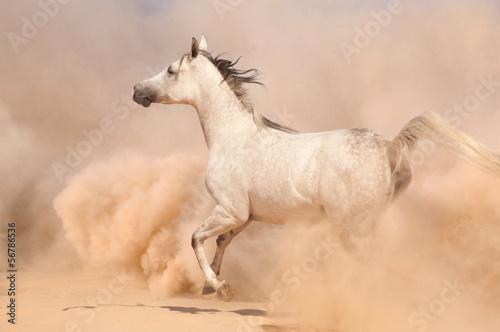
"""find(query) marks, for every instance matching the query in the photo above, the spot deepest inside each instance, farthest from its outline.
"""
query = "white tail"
(431, 126)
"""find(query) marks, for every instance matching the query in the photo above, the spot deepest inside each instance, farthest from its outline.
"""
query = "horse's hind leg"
(222, 242)
(355, 228)
(360, 246)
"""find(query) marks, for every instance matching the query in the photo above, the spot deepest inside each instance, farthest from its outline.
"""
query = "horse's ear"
(195, 49)
(203, 42)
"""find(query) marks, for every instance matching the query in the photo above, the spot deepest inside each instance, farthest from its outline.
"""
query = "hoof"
(207, 289)
(225, 292)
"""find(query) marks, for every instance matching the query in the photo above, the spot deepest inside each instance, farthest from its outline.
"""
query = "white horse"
(260, 170)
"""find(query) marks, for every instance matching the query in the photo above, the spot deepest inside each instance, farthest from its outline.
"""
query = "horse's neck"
(223, 117)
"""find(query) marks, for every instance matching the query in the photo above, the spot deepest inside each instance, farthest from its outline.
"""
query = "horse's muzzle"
(144, 101)
(142, 96)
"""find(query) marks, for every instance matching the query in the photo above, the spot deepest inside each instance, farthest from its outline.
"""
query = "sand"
(52, 302)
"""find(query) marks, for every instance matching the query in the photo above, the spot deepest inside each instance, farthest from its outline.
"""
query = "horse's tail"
(431, 126)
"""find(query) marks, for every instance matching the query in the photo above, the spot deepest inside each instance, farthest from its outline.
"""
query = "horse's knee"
(195, 240)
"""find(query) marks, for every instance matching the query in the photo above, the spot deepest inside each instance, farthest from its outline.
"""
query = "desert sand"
(51, 301)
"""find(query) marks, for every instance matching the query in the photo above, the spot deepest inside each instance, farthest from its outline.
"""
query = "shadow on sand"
(187, 310)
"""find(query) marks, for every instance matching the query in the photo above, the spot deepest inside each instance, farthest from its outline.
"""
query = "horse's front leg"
(222, 242)
(217, 223)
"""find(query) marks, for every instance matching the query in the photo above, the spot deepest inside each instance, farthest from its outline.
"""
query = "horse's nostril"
(137, 90)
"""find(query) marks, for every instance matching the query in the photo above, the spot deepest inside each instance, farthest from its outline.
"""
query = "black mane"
(235, 78)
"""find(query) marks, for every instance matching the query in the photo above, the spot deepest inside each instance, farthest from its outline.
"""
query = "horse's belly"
(285, 210)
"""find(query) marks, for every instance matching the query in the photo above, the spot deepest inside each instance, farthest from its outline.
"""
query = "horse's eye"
(170, 71)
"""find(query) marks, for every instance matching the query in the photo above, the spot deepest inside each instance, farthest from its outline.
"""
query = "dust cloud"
(95, 182)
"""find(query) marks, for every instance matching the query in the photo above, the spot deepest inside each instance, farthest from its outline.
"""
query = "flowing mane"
(235, 78)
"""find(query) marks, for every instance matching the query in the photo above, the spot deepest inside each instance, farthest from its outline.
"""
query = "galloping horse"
(260, 170)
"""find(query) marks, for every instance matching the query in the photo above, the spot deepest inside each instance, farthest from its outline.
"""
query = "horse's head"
(178, 83)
